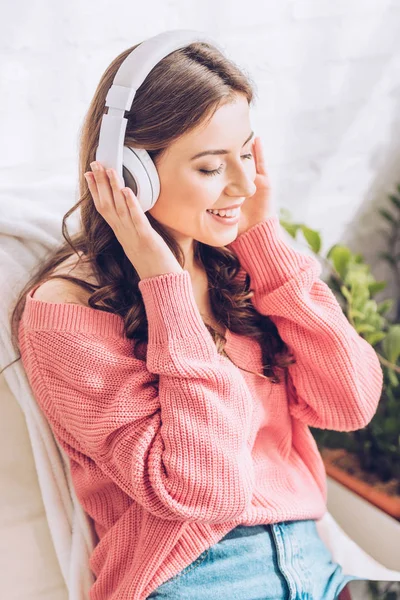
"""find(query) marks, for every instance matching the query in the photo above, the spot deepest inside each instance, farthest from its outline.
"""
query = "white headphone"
(134, 165)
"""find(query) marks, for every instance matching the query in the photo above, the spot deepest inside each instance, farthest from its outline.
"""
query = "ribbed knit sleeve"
(172, 430)
(337, 380)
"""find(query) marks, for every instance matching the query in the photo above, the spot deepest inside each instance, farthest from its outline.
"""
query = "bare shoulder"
(62, 291)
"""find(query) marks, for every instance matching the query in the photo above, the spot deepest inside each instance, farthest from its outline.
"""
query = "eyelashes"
(219, 170)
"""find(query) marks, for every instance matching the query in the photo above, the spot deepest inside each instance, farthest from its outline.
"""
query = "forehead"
(229, 126)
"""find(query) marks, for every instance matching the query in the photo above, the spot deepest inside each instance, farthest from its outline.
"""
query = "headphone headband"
(134, 165)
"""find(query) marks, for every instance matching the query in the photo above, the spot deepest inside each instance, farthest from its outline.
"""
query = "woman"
(183, 361)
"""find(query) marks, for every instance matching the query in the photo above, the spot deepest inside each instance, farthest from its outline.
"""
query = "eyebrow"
(219, 151)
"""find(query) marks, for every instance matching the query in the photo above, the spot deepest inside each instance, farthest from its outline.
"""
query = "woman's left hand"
(256, 208)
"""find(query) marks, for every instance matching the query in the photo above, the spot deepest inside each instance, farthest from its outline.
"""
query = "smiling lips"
(230, 220)
(228, 207)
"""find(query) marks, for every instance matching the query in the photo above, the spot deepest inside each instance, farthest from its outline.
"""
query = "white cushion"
(28, 562)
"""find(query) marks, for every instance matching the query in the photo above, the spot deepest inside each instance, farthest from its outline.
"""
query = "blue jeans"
(278, 561)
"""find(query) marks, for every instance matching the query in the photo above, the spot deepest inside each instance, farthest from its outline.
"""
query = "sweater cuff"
(267, 258)
(171, 309)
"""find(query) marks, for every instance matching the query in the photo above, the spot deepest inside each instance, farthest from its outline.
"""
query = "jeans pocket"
(192, 566)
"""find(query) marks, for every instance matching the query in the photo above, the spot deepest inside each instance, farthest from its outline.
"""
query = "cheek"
(173, 210)
(184, 196)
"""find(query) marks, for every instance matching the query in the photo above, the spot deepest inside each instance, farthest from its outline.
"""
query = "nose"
(243, 189)
(243, 181)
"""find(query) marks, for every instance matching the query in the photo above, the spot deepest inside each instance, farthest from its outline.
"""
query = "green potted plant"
(367, 461)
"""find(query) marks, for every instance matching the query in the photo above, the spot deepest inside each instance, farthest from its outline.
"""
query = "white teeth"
(232, 212)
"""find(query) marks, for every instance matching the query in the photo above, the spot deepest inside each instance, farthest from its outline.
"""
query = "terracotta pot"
(389, 504)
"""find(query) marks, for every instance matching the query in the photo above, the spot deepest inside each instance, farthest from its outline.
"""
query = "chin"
(217, 241)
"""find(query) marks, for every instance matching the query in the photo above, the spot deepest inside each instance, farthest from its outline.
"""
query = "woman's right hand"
(144, 247)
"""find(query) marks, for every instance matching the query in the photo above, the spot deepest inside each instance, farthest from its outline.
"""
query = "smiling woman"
(183, 400)
(219, 119)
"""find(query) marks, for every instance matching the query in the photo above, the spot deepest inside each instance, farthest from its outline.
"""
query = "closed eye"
(219, 170)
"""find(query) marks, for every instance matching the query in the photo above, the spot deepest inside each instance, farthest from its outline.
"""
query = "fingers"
(92, 185)
(105, 188)
(118, 205)
(126, 204)
(260, 160)
(104, 199)
(135, 210)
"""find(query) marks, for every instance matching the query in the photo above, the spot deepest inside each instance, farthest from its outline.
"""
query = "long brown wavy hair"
(183, 90)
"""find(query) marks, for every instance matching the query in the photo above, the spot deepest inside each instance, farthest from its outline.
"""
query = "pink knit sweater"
(170, 453)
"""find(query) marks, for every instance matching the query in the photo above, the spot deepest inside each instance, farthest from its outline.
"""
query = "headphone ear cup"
(129, 180)
(140, 174)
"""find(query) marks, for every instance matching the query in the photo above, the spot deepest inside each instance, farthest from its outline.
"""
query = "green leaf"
(385, 306)
(394, 199)
(390, 426)
(388, 257)
(313, 238)
(356, 313)
(286, 214)
(376, 286)
(340, 256)
(291, 228)
(358, 258)
(362, 327)
(391, 344)
(346, 293)
(374, 338)
(387, 215)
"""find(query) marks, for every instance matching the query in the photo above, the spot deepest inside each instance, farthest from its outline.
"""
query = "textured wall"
(328, 94)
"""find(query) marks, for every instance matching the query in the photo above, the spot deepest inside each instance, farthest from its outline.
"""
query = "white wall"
(328, 85)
